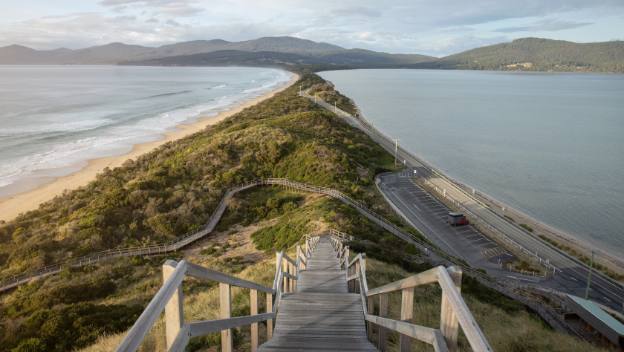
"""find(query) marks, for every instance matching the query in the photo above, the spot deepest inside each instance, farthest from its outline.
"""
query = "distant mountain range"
(281, 48)
(522, 54)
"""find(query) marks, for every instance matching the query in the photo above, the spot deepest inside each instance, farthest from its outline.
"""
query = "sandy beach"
(12, 206)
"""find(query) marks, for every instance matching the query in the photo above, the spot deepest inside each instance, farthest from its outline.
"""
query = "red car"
(457, 219)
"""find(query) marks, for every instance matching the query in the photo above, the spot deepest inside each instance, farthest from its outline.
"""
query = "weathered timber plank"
(321, 315)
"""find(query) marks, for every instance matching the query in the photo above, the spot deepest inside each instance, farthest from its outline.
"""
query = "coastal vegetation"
(584, 258)
(173, 190)
(388, 260)
(165, 194)
(327, 93)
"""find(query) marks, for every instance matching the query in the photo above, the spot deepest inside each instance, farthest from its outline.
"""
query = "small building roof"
(595, 310)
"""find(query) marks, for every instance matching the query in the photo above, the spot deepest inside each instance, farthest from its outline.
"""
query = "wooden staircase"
(320, 301)
(321, 315)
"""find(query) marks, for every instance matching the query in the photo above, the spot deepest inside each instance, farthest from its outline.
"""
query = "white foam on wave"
(55, 127)
(116, 140)
(281, 78)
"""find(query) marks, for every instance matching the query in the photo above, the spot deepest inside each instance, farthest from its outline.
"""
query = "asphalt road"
(427, 214)
(423, 211)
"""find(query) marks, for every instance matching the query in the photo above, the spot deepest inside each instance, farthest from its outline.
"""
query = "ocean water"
(549, 144)
(55, 118)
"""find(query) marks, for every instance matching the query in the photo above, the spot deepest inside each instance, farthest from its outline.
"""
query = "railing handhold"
(449, 325)
(174, 314)
(407, 313)
(140, 328)
(383, 312)
(454, 312)
(253, 310)
(225, 312)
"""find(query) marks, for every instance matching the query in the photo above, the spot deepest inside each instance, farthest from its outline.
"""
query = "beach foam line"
(51, 186)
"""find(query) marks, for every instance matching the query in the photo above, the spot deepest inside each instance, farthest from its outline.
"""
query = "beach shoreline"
(13, 205)
(561, 237)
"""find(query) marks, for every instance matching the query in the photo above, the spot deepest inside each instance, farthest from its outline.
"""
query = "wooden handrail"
(170, 299)
(426, 277)
(200, 328)
(141, 327)
(421, 333)
(454, 312)
(206, 274)
(287, 258)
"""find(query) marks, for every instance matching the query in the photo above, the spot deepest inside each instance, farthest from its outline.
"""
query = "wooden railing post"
(370, 307)
(307, 247)
(449, 325)
(383, 312)
(293, 271)
(269, 309)
(174, 314)
(286, 285)
(407, 313)
(348, 273)
(356, 286)
(225, 306)
(253, 310)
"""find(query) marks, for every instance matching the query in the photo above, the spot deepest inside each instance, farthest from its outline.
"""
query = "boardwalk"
(321, 315)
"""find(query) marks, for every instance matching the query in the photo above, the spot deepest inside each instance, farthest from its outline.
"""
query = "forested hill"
(535, 54)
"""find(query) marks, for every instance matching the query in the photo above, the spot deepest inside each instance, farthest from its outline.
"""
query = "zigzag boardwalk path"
(321, 315)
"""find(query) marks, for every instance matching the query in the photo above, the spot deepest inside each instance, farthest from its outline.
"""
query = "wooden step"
(321, 315)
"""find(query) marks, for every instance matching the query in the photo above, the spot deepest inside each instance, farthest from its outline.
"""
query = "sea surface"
(53, 119)
(549, 144)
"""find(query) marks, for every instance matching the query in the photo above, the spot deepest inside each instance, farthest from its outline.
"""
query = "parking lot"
(430, 216)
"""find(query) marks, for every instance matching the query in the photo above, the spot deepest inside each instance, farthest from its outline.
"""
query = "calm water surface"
(55, 118)
(551, 145)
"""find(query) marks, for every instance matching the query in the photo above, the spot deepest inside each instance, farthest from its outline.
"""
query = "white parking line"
(522, 278)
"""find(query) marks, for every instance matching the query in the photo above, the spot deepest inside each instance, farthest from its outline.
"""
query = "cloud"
(545, 26)
(85, 29)
(410, 26)
(173, 23)
(181, 8)
(357, 11)
(81, 30)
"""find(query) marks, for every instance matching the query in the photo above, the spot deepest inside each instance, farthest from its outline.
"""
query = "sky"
(431, 27)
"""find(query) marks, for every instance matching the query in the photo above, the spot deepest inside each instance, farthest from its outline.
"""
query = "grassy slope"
(508, 326)
(164, 194)
(172, 191)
